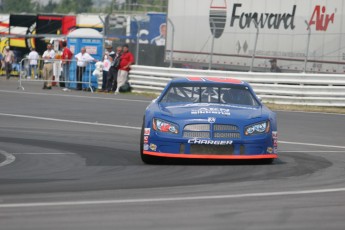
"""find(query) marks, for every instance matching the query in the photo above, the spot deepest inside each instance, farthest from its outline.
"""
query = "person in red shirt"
(66, 62)
(127, 59)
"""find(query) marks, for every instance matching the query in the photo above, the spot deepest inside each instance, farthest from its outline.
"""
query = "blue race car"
(208, 118)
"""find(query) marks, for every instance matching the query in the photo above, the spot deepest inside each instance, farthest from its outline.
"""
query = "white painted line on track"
(310, 151)
(69, 121)
(43, 153)
(324, 113)
(136, 100)
(170, 199)
(9, 158)
(77, 96)
(311, 144)
(139, 128)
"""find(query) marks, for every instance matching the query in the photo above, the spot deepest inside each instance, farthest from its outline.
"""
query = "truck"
(302, 35)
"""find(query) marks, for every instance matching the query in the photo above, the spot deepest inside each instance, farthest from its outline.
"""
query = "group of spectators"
(82, 58)
(8, 60)
(116, 65)
(115, 71)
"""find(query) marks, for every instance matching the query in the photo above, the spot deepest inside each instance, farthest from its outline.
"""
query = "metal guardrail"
(26, 76)
(278, 88)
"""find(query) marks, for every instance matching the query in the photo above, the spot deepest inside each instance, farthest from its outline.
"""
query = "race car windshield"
(239, 95)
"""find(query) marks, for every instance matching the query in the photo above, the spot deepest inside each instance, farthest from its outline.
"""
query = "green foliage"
(49, 8)
(74, 6)
(17, 6)
(80, 6)
(66, 6)
(142, 5)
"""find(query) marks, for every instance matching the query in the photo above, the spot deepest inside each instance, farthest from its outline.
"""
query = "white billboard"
(282, 33)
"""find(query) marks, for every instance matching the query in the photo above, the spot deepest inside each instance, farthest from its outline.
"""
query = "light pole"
(307, 49)
(255, 44)
(212, 45)
(172, 42)
(137, 43)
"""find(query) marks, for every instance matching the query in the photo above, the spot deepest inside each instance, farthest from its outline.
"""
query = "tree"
(17, 6)
(75, 6)
(66, 6)
(83, 6)
(50, 7)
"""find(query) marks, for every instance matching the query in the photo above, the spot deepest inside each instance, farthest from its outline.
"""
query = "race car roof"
(210, 80)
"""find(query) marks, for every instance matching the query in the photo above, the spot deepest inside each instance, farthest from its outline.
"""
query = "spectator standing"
(1, 61)
(33, 62)
(48, 57)
(127, 59)
(66, 62)
(8, 61)
(274, 66)
(110, 50)
(83, 58)
(114, 69)
(106, 67)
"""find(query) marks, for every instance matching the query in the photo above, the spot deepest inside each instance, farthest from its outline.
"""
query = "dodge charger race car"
(208, 118)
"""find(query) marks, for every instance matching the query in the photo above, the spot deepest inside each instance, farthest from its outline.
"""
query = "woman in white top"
(83, 59)
(106, 67)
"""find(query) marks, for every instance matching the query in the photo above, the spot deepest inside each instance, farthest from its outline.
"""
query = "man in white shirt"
(83, 59)
(33, 61)
(48, 57)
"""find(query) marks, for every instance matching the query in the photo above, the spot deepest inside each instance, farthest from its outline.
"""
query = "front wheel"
(267, 161)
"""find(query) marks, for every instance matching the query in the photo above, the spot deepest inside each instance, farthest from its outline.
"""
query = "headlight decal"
(257, 128)
(164, 126)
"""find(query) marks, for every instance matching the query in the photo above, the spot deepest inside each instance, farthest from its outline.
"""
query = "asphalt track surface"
(70, 160)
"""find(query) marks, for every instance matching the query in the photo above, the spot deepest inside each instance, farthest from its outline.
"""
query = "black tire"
(268, 161)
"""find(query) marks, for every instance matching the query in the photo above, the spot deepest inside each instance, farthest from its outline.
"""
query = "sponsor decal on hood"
(212, 105)
(218, 111)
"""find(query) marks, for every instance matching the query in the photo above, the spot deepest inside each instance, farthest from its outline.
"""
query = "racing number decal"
(216, 79)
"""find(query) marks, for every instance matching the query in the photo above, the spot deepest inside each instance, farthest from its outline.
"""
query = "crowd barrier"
(278, 88)
(89, 82)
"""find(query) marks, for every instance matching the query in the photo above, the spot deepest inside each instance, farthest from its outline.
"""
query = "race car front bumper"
(260, 147)
(215, 157)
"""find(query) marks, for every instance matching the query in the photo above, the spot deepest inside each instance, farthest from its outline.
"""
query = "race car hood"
(203, 110)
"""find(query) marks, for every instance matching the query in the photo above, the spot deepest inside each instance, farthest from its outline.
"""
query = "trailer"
(237, 34)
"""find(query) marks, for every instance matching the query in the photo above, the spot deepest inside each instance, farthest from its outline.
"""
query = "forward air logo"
(320, 19)
(218, 10)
